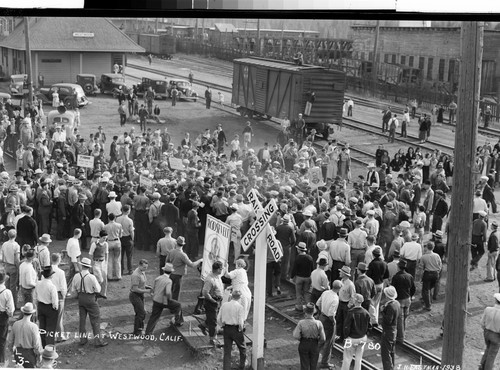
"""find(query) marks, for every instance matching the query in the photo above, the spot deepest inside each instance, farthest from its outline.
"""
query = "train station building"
(62, 47)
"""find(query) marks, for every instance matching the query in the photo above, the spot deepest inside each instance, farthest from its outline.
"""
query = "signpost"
(86, 161)
(259, 308)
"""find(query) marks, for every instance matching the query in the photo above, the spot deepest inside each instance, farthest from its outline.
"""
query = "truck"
(278, 89)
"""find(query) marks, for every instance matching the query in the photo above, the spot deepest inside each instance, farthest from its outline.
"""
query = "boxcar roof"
(270, 63)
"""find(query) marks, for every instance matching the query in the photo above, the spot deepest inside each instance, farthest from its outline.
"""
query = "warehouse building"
(61, 48)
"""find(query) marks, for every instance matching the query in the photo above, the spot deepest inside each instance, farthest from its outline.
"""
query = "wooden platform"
(194, 338)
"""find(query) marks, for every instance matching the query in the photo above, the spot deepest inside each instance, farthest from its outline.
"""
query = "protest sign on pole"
(176, 163)
(216, 246)
(86, 161)
(146, 182)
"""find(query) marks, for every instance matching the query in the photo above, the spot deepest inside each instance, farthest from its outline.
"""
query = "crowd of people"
(360, 242)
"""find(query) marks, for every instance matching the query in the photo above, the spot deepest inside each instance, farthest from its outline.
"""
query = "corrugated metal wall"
(55, 67)
(260, 89)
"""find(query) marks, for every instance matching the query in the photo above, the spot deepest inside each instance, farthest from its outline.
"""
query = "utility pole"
(29, 82)
(156, 25)
(471, 45)
(282, 37)
(375, 56)
(196, 28)
(258, 37)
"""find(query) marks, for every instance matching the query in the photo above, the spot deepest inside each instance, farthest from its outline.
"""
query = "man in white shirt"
(99, 253)
(96, 226)
(479, 204)
(74, 253)
(327, 305)
(46, 299)
(370, 247)
(113, 206)
(235, 221)
(59, 137)
(372, 225)
(42, 250)
(9, 256)
(411, 252)
(357, 241)
(59, 280)
(27, 277)
(6, 311)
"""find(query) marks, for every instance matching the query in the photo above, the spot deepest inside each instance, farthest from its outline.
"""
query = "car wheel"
(88, 88)
(68, 103)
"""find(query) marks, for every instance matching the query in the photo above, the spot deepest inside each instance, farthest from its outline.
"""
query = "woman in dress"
(239, 281)
(55, 98)
(332, 169)
(344, 163)
(409, 158)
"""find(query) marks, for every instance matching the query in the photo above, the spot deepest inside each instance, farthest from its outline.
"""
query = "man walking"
(59, 280)
(346, 294)
(365, 286)
(479, 229)
(377, 270)
(99, 253)
(162, 298)
(10, 258)
(311, 335)
(492, 253)
(327, 305)
(491, 326)
(231, 319)
(411, 252)
(46, 299)
(354, 330)
(6, 311)
(115, 232)
(164, 246)
(390, 313)
(86, 286)
(136, 296)
(301, 274)
(25, 339)
(431, 265)
(212, 292)
(180, 261)
(404, 284)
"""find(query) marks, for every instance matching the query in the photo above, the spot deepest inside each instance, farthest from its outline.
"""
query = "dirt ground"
(168, 351)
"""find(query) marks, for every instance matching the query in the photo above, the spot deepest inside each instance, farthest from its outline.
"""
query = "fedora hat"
(402, 264)
(346, 270)
(86, 262)
(112, 194)
(493, 225)
(309, 309)
(343, 232)
(362, 266)
(321, 244)
(49, 352)
(301, 247)
(390, 292)
(28, 308)
(48, 272)
(322, 262)
(414, 236)
(377, 252)
(181, 240)
(404, 224)
(168, 267)
(389, 205)
(45, 238)
(395, 254)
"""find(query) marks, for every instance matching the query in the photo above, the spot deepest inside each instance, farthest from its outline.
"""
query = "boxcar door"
(260, 103)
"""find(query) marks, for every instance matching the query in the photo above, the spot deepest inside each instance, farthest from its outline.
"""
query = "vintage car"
(159, 87)
(112, 83)
(59, 117)
(88, 82)
(185, 89)
(72, 95)
(16, 84)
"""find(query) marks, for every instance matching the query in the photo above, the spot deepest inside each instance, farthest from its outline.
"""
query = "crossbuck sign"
(262, 224)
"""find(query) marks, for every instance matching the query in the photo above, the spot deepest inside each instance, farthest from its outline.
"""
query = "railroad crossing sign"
(259, 225)
(272, 243)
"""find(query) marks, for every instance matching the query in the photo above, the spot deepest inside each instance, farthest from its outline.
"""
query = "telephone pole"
(29, 82)
(471, 41)
(375, 56)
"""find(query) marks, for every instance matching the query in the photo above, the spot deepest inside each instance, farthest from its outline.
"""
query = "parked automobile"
(72, 95)
(112, 83)
(185, 89)
(88, 82)
(16, 84)
(159, 87)
(61, 116)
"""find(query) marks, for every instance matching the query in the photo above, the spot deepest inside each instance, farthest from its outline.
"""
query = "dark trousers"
(207, 103)
(404, 133)
(387, 347)
(340, 317)
(232, 334)
(27, 295)
(492, 341)
(176, 286)
(392, 134)
(335, 274)
(47, 322)
(349, 111)
(273, 272)
(142, 225)
(87, 305)
(137, 301)
(192, 243)
(127, 249)
(437, 223)
(411, 267)
(163, 260)
(12, 282)
(173, 306)
(315, 294)
(429, 280)
(477, 251)
(308, 353)
(4, 330)
(25, 357)
(329, 327)
(123, 119)
(211, 317)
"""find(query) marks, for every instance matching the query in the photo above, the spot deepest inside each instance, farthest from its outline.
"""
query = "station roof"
(270, 63)
(72, 34)
(225, 27)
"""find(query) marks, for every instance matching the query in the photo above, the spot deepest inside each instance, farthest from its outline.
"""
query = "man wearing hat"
(141, 204)
(212, 293)
(346, 293)
(340, 254)
(193, 226)
(79, 218)
(392, 266)
(99, 253)
(113, 206)
(87, 287)
(285, 234)
(440, 211)
(136, 296)
(26, 339)
(479, 230)
(319, 280)
(365, 286)
(42, 250)
(115, 232)
(235, 221)
(357, 242)
(7, 309)
(46, 300)
(171, 214)
(180, 261)
(390, 313)
(490, 323)
(49, 356)
(487, 193)
(492, 253)
(231, 319)
(44, 201)
(311, 334)
(355, 329)
(411, 252)
(11, 251)
(155, 228)
(404, 284)
(301, 274)
(478, 205)
(162, 298)
(432, 265)
(377, 270)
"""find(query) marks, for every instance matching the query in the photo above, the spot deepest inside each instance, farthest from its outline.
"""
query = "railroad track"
(406, 353)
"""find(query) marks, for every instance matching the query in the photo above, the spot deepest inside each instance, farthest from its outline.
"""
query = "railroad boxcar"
(279, 89)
